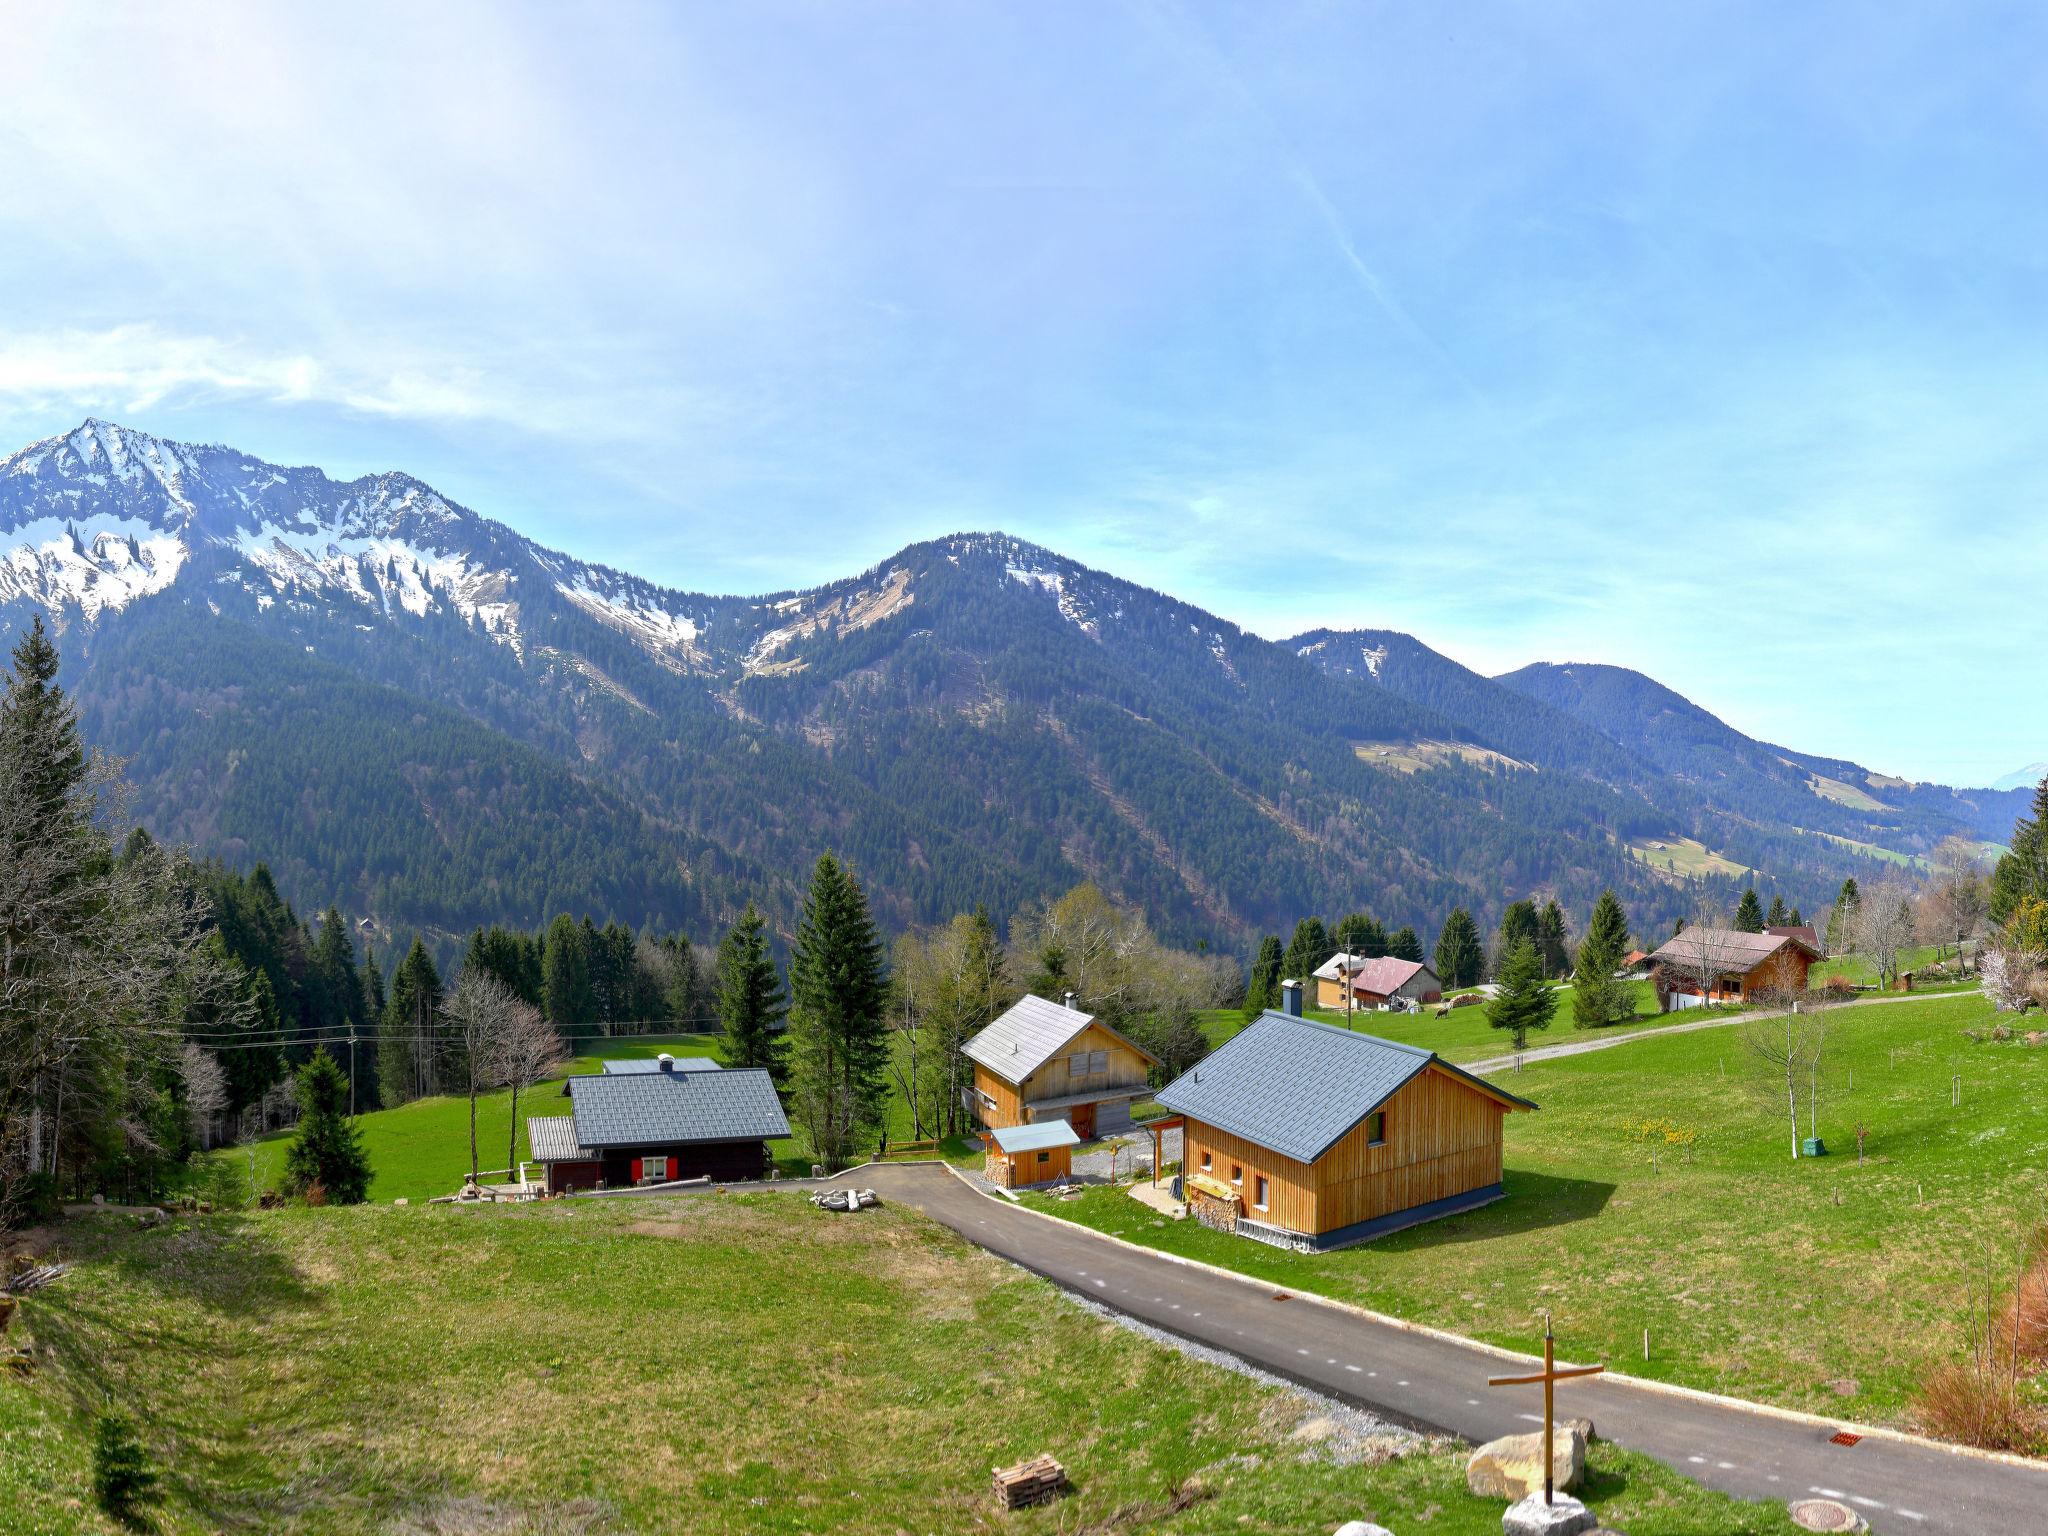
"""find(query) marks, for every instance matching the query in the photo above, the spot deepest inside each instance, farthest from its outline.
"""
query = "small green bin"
(1813, 1146)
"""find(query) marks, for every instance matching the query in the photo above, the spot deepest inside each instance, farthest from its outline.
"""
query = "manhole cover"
(1825, 1515)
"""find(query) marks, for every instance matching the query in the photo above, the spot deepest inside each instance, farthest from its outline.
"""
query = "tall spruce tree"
(750, 998)
(1361, 934)
(1553, 943)
(1598, 997)
(838, 1035)
(1608, 926)
(1263, 992)
(1404, 944)
(2021, 875)
(1749, 912)
(1777, 916)
(1523, 1002)
(566, 997)
(326, 1153)
(1309, 948)
(1519, 924)
(1459, 955)
(409, 1060)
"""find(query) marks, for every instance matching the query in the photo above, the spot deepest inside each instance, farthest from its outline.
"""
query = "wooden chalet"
(655, 1122)
(1023, 1155)
(1050, 1061)
(1310, 1136)
(1713, 965)
(1377, 982)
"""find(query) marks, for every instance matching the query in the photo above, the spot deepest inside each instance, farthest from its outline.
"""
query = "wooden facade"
(1017, 1170)
(1064, 1088)
(1439, 1138)
(1785, 971)
(624, 1167)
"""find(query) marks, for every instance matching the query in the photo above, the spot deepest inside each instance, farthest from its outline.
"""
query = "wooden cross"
(1549, 1376)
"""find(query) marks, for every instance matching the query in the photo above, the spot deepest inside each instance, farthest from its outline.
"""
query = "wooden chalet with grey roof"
(1310, 1136)
(655, 1122)
(1050, 1061)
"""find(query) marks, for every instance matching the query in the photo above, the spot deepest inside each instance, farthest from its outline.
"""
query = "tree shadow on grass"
(1534, 1202)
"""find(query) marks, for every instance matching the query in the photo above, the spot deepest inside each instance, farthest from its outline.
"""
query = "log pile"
(1030, 1482)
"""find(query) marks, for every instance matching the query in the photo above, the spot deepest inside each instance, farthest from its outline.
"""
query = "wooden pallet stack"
(1030, 1482)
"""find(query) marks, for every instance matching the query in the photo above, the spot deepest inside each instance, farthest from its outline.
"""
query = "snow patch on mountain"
(1056, 583)
(96, 564)
(379, 572)
(650, 624)
(1375, 658)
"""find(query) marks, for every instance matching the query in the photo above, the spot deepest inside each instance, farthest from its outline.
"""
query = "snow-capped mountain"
(411, 709)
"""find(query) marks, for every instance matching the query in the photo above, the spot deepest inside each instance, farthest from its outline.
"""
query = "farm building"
(656, 1123)
(1712, 965)
(1375, 982)
(1022, 1155)
(1806, 933)
(1309, 1136)
(1049, 1061)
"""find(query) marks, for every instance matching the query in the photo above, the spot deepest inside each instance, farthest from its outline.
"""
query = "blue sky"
(1705, 340)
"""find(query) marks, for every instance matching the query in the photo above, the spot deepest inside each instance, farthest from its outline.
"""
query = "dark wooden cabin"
(658, 1124)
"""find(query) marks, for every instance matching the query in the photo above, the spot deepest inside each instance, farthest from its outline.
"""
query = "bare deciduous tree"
(1884, 927)
(529, 1051)
(206, 1091)
(1703, 952)
(480, 1009)
(1786, 1043)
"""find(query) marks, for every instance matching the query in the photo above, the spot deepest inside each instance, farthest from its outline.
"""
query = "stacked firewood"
(1030, 1482)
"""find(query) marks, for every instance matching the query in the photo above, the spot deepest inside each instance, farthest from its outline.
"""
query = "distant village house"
(1712, 965)
(641, 1122)
(1376, 982)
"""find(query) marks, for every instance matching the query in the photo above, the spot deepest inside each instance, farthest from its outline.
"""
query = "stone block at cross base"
(1511, 1466)
(1565, 1516)
(1362, 1528)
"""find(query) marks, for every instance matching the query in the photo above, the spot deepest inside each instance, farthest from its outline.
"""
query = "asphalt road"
(1438, 1384)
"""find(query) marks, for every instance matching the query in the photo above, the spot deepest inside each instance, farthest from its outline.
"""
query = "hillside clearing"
(706, 1364)
(1684, 857)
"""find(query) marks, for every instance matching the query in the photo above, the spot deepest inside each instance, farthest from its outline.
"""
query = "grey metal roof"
(1036, 1136)
(1029, 1035)
(621, 1064)
(1295, 1086)
(553, 1139)
(638, 1109)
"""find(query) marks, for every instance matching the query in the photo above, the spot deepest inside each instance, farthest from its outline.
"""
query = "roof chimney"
(1067, 999)
(666, 1062)
(1290, 999)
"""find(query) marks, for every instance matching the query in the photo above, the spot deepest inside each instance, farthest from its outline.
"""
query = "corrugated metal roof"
(553, 1139)
(1383, 974)
(1028, 1036)
(1036, 1136)
(624, 1064)
(664, 1108)
(1295, 1086)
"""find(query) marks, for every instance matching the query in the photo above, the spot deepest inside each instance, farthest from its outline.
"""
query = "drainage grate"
(1843, 1437)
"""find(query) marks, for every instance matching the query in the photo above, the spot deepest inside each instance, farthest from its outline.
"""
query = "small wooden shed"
(1039, 1153)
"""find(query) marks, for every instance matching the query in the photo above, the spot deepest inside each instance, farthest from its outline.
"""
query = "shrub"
(123, 1481)
(1983, 1399)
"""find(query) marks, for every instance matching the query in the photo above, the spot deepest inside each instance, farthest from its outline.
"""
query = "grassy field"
(710, 1364)
(421, 1149)
(1684, 857)
(1819, 1284)
(1463, 1034)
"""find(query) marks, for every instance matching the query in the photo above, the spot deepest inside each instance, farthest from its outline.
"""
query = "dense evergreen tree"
(1524, 1001)
(1553, 943)
(1796, 920)
(1608, 926)
(1777, 917)
(1263, 991)
(1519, 924)
(411, 1060)
(1749, 912)
(838, 1038)
(1459, 957)
(326, 1153)
(2022, 874)
(1361, 934)
(510, 957)
(1404, 944)
(566, 997)
(751, 1005)
(1309, 948)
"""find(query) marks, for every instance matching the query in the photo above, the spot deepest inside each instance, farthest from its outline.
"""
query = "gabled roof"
(1296, 1087)
(1730, 949)
(1805, 933)
(625, 1064)
(1029, 1035)
(1383, 975)
(553, 1139)
(638, 1109)
(1036, 1136)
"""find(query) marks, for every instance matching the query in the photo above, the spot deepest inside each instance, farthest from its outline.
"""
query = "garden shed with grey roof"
(1311, 1136)
(648, 1127)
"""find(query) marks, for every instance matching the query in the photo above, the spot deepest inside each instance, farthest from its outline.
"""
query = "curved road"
(1437, 1383)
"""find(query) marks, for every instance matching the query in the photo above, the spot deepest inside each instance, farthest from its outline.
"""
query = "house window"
(1236, 1174)
(1088, 1063)
(1376, 1128)
(1045, 1157)
(653, 1170)
(1259, 1192)
(1207, 1162)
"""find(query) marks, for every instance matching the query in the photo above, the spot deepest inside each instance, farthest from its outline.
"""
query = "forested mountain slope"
(414, 712)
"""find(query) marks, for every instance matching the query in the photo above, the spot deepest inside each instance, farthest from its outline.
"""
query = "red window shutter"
(636, 1170)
